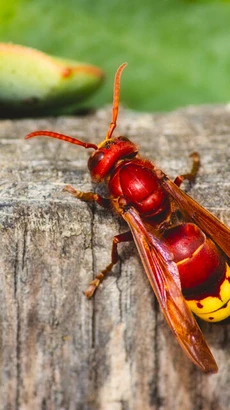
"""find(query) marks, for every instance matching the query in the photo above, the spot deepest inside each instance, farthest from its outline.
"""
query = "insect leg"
(123, 237)
(190, 176)
(87, 196)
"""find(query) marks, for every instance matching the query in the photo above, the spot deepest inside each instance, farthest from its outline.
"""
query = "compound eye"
(95, 159)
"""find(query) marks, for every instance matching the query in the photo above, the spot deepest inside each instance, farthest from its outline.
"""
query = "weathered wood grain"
(57, 349)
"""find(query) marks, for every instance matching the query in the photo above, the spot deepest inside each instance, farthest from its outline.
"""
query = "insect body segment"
(184, 249)
(135, 180)
(216, 307)
(204, 271)
(102, 161)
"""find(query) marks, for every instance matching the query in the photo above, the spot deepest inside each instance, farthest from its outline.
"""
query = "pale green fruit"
(32, 81)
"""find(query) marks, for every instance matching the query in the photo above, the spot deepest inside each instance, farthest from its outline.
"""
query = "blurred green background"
(178, 51)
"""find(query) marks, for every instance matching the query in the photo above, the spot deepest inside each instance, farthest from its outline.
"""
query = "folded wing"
(163, 276)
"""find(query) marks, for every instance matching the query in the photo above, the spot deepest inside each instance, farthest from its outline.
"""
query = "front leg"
(88, 196)
(123, 237)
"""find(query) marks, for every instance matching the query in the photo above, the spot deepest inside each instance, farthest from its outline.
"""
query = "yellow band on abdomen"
(214, 308)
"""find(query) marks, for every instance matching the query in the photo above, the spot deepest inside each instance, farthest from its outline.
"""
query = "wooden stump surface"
(59, 350)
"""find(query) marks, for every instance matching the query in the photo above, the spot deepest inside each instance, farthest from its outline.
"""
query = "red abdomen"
(136, 182)
(200, 262)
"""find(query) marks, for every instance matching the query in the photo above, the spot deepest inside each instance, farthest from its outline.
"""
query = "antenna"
(62, 137)
(116, 96)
